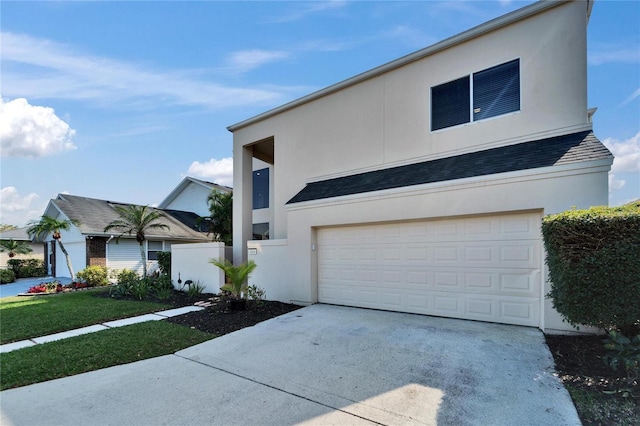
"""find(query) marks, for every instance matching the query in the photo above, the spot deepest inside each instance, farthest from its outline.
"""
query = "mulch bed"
(612, 399)
(219, 318)
(579, 362)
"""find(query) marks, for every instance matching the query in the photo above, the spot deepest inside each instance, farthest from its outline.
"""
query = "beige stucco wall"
(191, 262)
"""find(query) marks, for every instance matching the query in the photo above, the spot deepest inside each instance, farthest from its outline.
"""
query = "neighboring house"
(88, 244)
(419, 186)
(20, 234)
(191, 195)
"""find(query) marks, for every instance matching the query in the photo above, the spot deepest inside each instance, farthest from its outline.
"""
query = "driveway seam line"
(280, 390)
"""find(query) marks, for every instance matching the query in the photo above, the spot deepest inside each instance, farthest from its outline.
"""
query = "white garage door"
(483, 268)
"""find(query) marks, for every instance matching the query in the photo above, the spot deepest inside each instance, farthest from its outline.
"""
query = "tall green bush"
(164, 262)
(594, 266)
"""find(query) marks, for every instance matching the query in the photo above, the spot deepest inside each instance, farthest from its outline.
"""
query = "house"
(88, 244)
(191, 195)
(20, 234)
(419, 186)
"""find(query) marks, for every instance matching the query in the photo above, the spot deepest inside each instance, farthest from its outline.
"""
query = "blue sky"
(120, 100)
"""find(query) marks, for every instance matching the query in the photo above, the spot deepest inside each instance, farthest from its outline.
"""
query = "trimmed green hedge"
(594, 265)
(27, 268)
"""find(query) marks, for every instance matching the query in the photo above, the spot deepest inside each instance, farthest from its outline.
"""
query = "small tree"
(137, 220)
(14, 247)
(238, 276)
(48, 225)
(221, 217)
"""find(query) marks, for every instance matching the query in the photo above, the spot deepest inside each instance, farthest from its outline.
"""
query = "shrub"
(594, 266)
(27, 268)
(623, 352)
(127, 276)
(164, 262)
(132, 285)
(141, 288)
(7, 276)
(195, 289)
(125, 280)
(256, 294)
(94, 276)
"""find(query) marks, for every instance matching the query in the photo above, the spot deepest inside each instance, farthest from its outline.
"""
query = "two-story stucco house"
(419, 186)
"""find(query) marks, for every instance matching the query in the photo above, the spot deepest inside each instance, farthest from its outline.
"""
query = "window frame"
(155, 252)
(472, 99)
(263, 190)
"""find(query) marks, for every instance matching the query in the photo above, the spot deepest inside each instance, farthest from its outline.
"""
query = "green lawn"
(25, 317)
(93, 351)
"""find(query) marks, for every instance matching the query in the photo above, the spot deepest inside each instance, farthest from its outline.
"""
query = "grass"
(26, 317)
(93, 351)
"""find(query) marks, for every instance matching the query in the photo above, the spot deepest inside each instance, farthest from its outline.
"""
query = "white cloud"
(16, 209)
(217, 171)
(32, 131)
(303, 9)
(630, 98)
(627, 154)
(615, 184)
(605, 54)
(39, 68)
(246, 60)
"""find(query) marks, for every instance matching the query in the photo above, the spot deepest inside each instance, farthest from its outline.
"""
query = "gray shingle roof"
(571, 148)
(93, 215)
(19, 234)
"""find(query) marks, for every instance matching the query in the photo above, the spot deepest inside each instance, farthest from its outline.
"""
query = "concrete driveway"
(320, 365)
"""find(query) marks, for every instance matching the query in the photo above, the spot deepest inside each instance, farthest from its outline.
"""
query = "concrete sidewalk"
(156, 316)
(320, 365)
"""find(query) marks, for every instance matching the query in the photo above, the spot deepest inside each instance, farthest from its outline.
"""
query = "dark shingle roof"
(571, 148)
(94, 214)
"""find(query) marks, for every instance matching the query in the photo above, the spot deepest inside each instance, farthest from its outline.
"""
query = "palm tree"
(49, 225)
(137, 220)
(14, 247)
(221, 208)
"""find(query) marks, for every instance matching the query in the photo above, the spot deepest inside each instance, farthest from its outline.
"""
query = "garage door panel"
(485, 268)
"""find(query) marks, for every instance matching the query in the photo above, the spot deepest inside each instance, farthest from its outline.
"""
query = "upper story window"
(261, 189)
(487, 93)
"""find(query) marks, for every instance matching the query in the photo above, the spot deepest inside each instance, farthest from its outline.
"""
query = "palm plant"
(221, 208)
(237, 275)
(14, 247)
(49, 225)
(137, 220)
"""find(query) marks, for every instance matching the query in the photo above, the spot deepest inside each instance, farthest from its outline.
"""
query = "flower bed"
(56, 287)
(50, 287)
